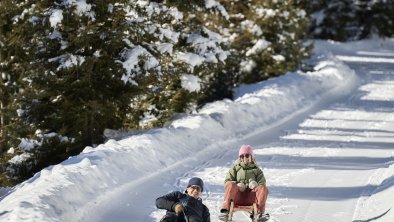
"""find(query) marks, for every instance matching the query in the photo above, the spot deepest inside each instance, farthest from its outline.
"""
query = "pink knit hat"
(245, 149)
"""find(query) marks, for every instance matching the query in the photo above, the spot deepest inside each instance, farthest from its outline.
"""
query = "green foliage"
(267, 36)
(163, 94)
(75, 72)
(349, 20)
(74, 85)
(13, 61)
(12, 173)
(78, 90)
(185, 5)
(382, 18)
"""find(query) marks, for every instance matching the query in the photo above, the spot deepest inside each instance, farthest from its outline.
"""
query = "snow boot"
(263, 217)
(223, 215)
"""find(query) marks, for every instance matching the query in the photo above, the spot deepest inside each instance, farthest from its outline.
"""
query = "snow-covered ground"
(325, 140)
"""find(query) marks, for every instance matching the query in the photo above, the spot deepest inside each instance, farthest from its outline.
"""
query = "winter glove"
(241, 187)
(178, 208)
(252, 184)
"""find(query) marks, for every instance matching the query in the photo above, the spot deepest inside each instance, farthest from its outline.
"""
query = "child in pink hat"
(245, 184)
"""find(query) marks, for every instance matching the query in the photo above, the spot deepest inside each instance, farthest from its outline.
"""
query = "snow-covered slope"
(307, 129)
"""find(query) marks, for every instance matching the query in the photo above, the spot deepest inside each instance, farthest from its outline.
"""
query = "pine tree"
(73, 80)
(12, 57)
(168, 38)
(267, 36)
(349, 20)
(4, 77)
(383, 17)
(216, 79)
(122, 64)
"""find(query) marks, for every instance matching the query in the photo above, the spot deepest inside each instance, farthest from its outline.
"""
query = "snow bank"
(58, 193)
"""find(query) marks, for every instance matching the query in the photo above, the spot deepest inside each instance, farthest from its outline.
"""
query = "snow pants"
(259, 196)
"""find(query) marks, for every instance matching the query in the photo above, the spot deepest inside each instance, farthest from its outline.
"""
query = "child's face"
(194, 191)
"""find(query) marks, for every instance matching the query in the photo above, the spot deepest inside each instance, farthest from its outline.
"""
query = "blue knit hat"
(196, 181)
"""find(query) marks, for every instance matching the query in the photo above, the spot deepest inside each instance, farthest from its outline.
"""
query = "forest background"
(75, 71)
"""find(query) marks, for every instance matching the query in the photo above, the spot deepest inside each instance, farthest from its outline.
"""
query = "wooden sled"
(249, 208)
